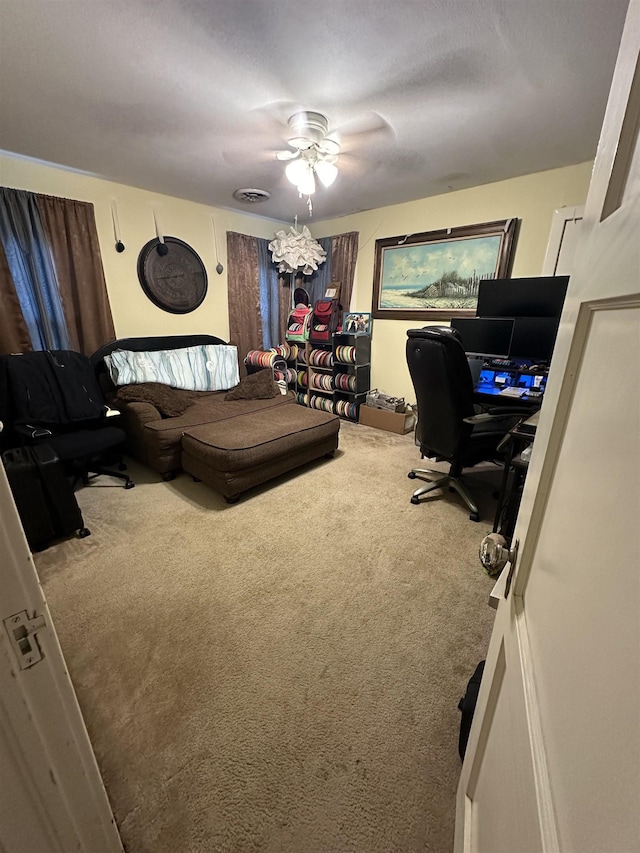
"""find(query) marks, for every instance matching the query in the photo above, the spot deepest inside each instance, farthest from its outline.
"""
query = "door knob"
(495, 553)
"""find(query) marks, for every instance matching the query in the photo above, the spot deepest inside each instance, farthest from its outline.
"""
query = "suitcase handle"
(37, 432)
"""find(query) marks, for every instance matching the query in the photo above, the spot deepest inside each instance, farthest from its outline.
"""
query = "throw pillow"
(170, 402)
(199, 368)
(255, 386)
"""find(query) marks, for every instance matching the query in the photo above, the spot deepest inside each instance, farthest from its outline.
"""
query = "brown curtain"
(245, 324)
(71, 228)
(285, 285)
(344, 253)
(14, 335)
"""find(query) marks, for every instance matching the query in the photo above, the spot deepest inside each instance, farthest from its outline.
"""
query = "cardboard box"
(400, 422)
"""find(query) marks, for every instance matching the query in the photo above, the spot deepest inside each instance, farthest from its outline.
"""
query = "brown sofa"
(231, 445)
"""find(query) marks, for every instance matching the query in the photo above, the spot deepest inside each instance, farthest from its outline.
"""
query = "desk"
(490, 397)
(498, 382)
(514, 475)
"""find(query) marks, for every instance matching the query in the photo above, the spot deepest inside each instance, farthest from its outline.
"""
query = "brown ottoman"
(233, 455)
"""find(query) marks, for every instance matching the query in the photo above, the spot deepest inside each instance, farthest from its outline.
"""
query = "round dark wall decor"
(176, 280)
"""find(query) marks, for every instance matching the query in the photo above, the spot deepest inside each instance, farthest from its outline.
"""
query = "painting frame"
(486, 239)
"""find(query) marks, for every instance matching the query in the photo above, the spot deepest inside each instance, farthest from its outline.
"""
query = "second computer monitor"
(542, 296)
(534, 338)
(486, 336)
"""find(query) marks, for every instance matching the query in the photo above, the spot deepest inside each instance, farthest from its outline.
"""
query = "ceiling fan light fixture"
(316, 154)
(326, 172)
(307, 183)
(296, 170)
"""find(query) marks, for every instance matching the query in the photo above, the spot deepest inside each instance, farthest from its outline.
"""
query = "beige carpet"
(279, 675)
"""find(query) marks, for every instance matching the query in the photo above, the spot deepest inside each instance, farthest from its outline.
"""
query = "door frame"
(559, 221)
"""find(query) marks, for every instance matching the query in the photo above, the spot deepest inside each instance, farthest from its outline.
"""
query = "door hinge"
(22, 629)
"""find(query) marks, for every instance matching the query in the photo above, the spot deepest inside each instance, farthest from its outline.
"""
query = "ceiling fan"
(315, 149)
(313, 152)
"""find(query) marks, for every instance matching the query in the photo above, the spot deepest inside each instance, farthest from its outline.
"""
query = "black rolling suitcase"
(45, 500)
(26, 486)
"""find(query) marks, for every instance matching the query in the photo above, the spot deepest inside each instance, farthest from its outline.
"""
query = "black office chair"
(449, 426)
(53, 397)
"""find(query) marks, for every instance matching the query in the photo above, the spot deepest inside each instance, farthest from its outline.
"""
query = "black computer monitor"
(484, 336)
(542, 296)
(534, 338)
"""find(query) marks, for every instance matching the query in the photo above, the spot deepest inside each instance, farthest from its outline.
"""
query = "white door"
(553, 761)
(563, 239)
(52, 799)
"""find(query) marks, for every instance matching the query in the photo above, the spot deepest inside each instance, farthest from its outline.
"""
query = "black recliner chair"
(53, 397)
(450, 427)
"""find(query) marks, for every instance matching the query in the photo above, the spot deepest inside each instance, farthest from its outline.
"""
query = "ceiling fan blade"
(287, 155)
(329, 146)
(259, 133)
(369, 127)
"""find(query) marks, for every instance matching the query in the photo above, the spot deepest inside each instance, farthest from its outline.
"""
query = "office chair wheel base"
(474, 516)
(83, 533)
(129, 484)
(415, 500)
(411, 475)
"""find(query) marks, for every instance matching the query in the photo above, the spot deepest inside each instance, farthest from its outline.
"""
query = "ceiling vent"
(251, 196)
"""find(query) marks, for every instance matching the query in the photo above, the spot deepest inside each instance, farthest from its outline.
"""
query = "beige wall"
(532, 199)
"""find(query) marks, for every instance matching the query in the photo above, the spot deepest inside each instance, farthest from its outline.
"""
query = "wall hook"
(161, 248)
(116, 226)
(219, 267)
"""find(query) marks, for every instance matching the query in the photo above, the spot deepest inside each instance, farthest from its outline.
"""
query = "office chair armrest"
(496, 414)
(31, 431)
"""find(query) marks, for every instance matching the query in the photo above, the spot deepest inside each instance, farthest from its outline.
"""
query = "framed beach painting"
(435, 275)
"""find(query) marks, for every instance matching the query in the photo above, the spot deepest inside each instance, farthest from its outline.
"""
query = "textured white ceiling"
(191, 97)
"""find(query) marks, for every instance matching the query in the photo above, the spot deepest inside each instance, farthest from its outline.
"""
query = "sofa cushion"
(211, 408)
(208, 367)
